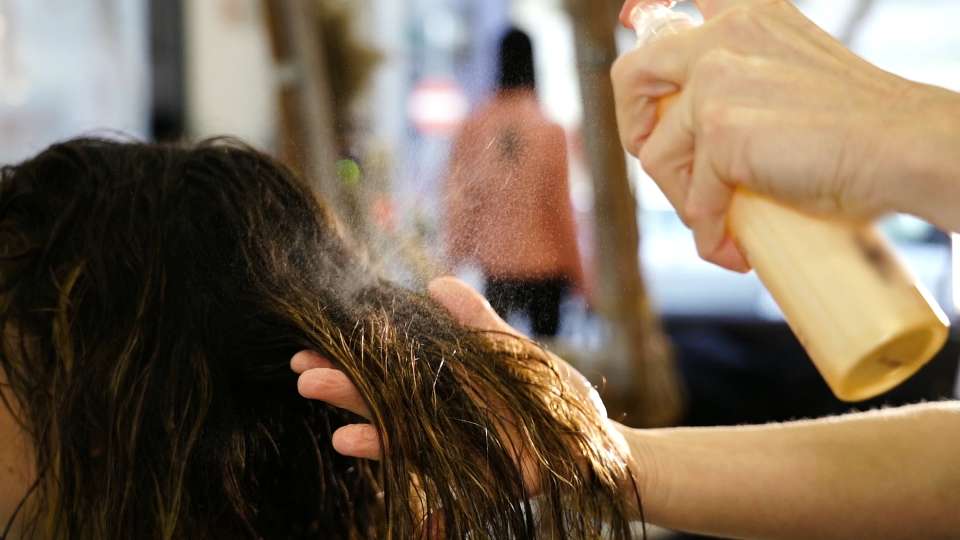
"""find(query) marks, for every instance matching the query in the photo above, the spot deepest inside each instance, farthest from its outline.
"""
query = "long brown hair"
(151, 297)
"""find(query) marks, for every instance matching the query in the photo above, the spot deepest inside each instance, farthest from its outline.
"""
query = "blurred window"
(69, 68)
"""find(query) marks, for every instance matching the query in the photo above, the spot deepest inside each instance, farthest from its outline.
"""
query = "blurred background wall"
(71, 67)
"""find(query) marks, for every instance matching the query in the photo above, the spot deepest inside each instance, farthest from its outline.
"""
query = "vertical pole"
(639, 350)
(308, 142)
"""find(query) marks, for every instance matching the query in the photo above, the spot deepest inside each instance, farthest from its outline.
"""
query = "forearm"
(886, 474)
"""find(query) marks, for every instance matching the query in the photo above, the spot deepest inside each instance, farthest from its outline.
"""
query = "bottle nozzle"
(654, 19)
(631, 6)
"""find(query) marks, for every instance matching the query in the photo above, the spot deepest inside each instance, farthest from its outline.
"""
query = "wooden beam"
(308, 142)
(639, 353)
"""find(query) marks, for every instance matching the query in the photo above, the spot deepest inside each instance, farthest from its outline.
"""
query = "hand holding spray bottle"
(863, 319)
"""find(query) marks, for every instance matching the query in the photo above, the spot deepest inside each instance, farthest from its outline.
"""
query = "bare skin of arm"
(882, 474)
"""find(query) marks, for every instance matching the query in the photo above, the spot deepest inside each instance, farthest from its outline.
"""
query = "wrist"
(925, 145)
(644, 467)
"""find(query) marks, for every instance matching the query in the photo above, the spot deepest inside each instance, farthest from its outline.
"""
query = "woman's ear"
(467, 306)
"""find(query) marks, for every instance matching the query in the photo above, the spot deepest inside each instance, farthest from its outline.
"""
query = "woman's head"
(516, 61)
(150, 300)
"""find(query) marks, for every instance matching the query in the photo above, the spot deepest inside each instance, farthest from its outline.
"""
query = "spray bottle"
(864, 320)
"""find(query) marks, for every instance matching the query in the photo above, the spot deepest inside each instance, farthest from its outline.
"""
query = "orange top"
(507, 194)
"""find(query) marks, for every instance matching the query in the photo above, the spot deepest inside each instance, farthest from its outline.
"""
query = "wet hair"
(151, 297)
(516, 61)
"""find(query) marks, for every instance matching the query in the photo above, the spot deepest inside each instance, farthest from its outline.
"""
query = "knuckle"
(694, 214)
(629, 68)
(717, 64)
(653, 171)
(716, 120)
(631, 143)
(697, 210)
(618, 70)
(738, 167)
(650, 160)
(739, 19)
(643, 63)
(705, 246)
(704, 253)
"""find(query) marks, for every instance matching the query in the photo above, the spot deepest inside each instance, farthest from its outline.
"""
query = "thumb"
(467, 306)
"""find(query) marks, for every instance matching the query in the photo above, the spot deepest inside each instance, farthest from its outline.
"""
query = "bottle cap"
(654, 20)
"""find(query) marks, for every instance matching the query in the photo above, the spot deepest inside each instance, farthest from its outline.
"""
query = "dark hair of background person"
(152, 297)
(516, 61)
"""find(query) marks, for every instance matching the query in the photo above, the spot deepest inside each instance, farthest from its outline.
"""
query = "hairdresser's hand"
(769, 101)
(318, 379)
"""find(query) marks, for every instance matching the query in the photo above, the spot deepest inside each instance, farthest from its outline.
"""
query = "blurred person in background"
(507, 197)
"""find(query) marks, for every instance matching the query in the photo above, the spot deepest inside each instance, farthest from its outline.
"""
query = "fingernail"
(355, 438)
(306, 360)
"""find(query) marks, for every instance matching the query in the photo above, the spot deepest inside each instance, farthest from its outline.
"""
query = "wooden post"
(308, 142)
(639, 352)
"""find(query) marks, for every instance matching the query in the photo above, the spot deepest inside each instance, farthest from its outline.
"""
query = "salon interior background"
(195, 68)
